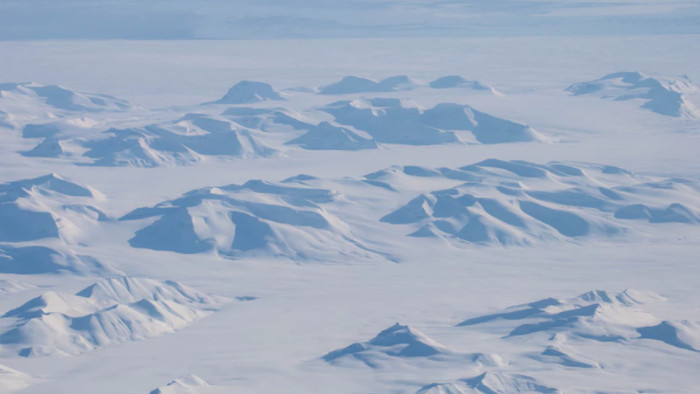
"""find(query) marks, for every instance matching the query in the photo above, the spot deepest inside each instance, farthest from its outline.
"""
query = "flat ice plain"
(349, 203)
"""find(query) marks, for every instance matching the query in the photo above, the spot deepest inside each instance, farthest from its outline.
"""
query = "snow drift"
(8, 286)
(12, 380)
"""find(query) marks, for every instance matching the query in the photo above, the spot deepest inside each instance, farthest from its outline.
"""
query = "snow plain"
(432, 215)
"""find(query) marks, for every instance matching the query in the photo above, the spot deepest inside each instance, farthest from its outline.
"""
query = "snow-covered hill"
(18, 96)
(403, 344)
(186, 140)
(663, 95)
(183, 385)
(255, 218)
(353, 84)
(489, 382)
(326, 136)
(107, 312)
(395, 122)
(456, 81)
(247, 92)
(518, 202)
(47, 207)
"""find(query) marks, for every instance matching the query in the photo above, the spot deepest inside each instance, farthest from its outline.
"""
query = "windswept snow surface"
(423, 198)
(12, 380)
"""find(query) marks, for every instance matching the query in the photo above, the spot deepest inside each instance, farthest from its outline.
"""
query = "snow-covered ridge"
(257, 217)
(592, 316)
(663, 95)
(182, 385)
(394, 121)
(401, 342)
(456, 81)
(107, 312)
(518, 202)
(353, 84)
(17, 95)
(47, 207)
(111, 133)
(186, 140)
(562, 326)
(29, 260)
(326, 136)
(489, 383)
(247, 92)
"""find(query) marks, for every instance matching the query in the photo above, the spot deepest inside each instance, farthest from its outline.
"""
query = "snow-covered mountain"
(663, 95)
(456, 81)
(352, 84)
(186, 384)
(47, 207)
(392, 121)
(109, 311)
(186, 140)
(326, 136)
(247, 92)
(518, 202)
(257, 217)
(404, 343)
(56, 98)
(28, 260)
(489, 382)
